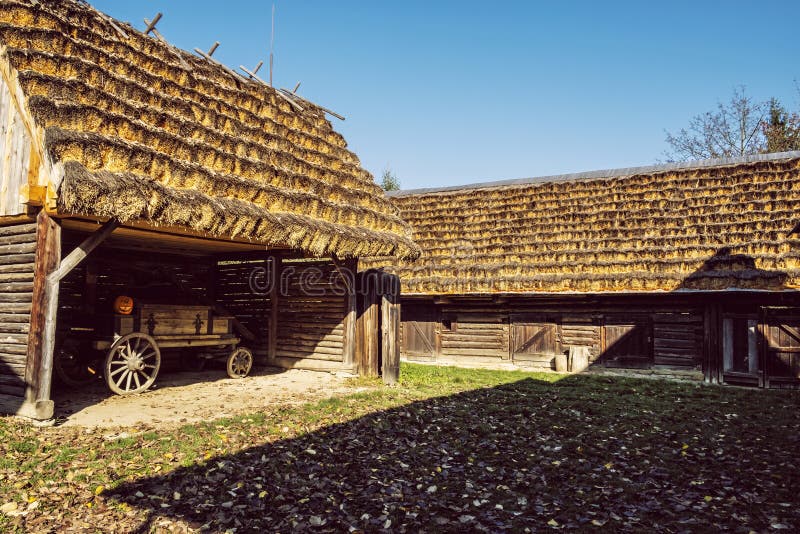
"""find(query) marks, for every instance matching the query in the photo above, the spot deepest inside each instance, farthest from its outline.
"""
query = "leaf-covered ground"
(447, 450)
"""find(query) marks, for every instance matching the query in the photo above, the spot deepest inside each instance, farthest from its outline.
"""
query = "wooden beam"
(347, 272)
(390, 330)
(274, 296)
(368, 327)
(81, 251)
(48, 254)
(50, 304)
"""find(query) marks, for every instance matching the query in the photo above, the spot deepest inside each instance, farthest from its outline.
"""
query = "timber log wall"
(17, 256)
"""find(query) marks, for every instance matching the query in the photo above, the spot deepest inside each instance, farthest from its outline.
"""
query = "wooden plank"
(390, 331)
(14, 317)
(299, 362)
(17, 249)
(312, 355)
(330, 347)
(13, 328)
(14, 348)
(17, 229)
(16, 259)
(320, 337)
(475, 352)
(17, 277)
(14, 298)
(17, 287)
(273, 269)
(369, 334)
(16, 268)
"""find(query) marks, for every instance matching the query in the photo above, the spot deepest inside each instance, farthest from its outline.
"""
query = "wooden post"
(712, 347)
(390, 329)
(44, 310)
(763, 347)
(48, 255)
(368, 328)
(351, 309)
(274, 295)
(66, 265)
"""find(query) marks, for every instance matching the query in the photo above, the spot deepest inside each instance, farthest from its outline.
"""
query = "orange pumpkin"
(123, 304)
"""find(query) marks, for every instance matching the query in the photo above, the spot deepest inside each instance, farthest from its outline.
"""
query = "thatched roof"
(131, 127)
(705, 226)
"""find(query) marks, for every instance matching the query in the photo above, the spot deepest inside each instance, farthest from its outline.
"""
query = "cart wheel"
(240, 362)
(132, 364)
(71, 369)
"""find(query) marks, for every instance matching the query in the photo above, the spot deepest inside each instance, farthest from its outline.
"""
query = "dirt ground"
(183, 397)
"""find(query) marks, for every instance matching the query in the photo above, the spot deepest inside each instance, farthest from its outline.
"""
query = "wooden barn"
(688, 269)
(130, 165)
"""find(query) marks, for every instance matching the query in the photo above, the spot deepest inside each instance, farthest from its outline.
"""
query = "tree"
(733, 129)
(781, 130)
(389, 181)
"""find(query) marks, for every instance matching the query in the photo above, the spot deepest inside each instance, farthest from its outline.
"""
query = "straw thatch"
(148, 133)
(703, 226)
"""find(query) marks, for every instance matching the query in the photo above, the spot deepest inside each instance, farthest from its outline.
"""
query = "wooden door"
(628, 343)
(740, 354)
(418, 340)
(533, 342)
(780, 347)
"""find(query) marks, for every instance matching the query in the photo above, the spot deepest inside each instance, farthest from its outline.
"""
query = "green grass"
(542, 451)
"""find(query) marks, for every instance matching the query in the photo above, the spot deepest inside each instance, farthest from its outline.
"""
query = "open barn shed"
(687, 269)
(130, 165)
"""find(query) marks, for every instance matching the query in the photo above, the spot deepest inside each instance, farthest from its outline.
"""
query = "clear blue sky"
(455, 92)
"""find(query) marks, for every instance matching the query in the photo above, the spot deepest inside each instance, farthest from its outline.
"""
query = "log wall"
(17, 256)
(240, 286)
(91, 287)
(660, 333)
(311, 315)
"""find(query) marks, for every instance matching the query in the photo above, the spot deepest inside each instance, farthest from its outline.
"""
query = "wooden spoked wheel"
(72, 369)
(132, 364)
(240, 362)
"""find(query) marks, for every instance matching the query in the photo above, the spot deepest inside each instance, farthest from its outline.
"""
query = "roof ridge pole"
(151, 26)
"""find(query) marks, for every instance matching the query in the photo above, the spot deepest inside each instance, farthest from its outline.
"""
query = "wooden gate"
(779, 330)
(534, 342)
(419, 340)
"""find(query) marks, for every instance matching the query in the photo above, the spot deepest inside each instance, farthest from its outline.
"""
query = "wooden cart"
(133, 352)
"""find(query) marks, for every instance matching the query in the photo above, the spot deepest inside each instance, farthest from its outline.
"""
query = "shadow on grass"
(583, 452)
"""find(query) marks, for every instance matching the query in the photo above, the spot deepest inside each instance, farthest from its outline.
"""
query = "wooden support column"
(273, 271)
(48, 254)
(49, 273)
(712, 344)
(348, 271)
(390, 329)
(369, 320)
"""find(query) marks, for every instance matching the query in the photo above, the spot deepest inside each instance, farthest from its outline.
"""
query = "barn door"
(628, 343)
(419, 340)
(534, 342)
(780, 346)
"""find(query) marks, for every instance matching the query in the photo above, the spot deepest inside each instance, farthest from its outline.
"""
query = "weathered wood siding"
(535, 340)
(475, 336)
(529, 332)
(677, 339)
(419, 332)
(15, 150)
(17, 255)
(311, 315)
(241, 287)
